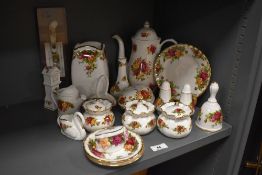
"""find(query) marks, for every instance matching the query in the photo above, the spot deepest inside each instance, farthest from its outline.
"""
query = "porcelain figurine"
(164, 95)
(145, 46)
(122, 81)
(68, 100)
(89, 63)
(72, 125)
(134, 93)
(98, 114)
(51, 82)
(175, 120)
(111, 140)
(210, 116)
(139, 117)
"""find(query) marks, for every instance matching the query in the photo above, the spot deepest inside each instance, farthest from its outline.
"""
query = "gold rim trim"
(191, 47)
(116, 163)
(111, 163)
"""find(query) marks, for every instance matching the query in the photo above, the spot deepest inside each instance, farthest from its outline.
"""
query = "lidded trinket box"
(139, 117)
(175, 121)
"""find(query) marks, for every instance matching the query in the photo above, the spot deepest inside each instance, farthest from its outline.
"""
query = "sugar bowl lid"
(97, 105)
(176, 110)
(140, 107)
(146, 33)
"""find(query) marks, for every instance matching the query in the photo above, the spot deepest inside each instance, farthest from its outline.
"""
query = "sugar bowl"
(175, 121)
(98, 114)
(139, 117)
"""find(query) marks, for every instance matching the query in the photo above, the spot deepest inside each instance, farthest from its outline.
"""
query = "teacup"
(111, 139)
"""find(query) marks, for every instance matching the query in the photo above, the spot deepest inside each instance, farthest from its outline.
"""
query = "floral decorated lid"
(175, 110)
(146, 33)
(140, 107)
(97, 105)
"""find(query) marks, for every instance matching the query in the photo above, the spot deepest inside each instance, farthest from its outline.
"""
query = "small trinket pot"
(175, 120)
(164, 95)
(139, 117)
(210, 116)
(98, 114)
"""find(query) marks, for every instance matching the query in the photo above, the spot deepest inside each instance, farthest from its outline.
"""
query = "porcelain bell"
(210, 117)
(139, 117)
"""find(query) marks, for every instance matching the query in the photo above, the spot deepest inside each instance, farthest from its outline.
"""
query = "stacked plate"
(115, 146)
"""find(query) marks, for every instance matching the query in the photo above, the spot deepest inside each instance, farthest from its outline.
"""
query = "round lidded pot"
(139, 117)
(98, 114)
(175, 120)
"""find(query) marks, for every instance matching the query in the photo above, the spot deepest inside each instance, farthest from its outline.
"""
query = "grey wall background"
(20, 66)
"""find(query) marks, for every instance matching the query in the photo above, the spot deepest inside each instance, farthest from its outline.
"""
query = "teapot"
(71, 126)
(67, 99)
(145, 46)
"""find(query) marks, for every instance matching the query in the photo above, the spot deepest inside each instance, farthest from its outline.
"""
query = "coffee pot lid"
(146, 33)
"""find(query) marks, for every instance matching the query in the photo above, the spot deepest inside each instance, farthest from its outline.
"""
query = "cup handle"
(79, 115)
(167, 40)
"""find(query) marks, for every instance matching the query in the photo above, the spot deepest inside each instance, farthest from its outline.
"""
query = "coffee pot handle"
(167, 40)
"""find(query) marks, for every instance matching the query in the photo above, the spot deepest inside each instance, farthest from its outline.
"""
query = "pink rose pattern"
(214, 117)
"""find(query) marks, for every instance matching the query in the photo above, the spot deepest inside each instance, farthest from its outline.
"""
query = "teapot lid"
(140, 107)
(97, 105)
(70, 91)
(176, 110)
(146, 33)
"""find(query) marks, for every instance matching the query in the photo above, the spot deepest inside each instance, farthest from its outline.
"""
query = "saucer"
(132, 150)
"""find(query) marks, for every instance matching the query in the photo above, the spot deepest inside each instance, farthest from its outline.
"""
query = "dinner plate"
(132, 150)
(182, 64)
